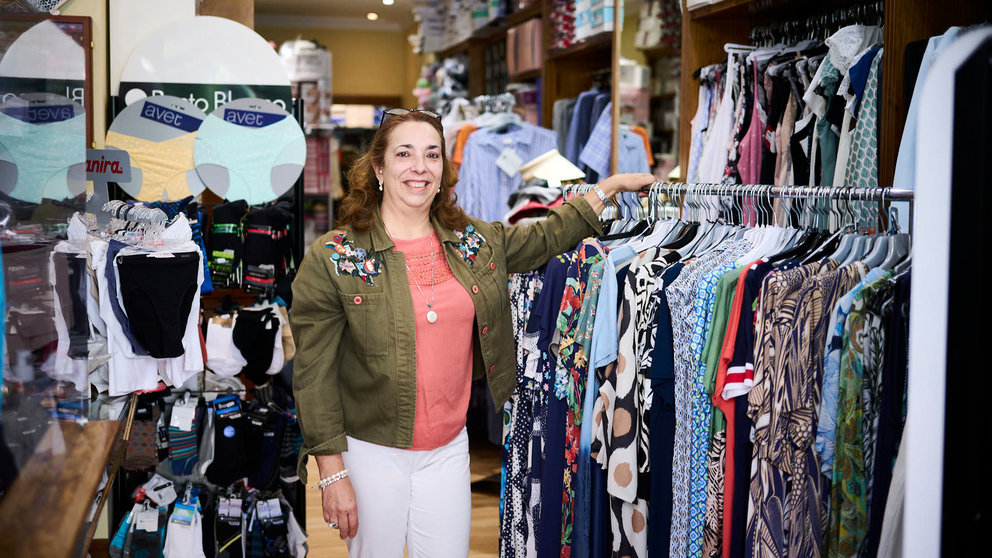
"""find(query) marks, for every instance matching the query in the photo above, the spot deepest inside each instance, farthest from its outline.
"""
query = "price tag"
(509, 162)
(269, 509)
(147, 520)
(160, 490)
(182, 416)
(183, 514)
(233, 509)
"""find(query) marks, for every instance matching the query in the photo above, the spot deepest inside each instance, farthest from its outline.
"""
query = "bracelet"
(602, 195)
(328, 481)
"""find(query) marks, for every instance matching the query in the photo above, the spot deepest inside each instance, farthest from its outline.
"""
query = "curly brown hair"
(359, 207)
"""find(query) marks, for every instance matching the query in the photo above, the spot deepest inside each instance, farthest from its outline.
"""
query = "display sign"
(208, 61)
(208, 97)
(108, 165)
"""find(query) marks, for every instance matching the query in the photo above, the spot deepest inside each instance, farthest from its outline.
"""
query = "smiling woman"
(394, 315)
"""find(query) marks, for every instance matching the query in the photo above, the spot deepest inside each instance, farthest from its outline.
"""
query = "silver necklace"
(431, 314)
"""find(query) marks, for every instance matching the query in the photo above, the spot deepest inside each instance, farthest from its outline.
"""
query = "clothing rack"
(842, 193)
(752, 194)
(818, 25)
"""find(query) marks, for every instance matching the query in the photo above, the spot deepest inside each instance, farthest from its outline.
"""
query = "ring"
(332, 525)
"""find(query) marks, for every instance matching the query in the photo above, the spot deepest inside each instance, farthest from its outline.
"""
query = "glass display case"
(59, 446)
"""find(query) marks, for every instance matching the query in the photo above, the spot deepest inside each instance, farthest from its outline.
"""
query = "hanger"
(830, 242)
(734, 48)
(686, 229)
(902, 268)
(808, 239)
(899, 244)
(880, 248)
(707, 239)
(850, 228)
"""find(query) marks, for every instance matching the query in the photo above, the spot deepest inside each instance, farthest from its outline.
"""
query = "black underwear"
(157, 294)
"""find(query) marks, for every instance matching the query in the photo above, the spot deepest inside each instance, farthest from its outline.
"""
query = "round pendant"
(431, 316)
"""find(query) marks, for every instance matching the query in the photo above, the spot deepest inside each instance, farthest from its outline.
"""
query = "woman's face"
(411, 167)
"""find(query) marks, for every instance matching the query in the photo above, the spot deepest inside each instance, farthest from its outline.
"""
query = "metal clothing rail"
(843, 193)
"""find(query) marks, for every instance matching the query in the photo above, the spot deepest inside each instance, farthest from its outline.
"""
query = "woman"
(393, 317)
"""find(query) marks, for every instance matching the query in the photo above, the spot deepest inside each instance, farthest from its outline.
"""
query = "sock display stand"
(122, 489)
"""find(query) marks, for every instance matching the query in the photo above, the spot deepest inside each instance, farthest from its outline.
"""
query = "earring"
(438, 189)
(380, 185)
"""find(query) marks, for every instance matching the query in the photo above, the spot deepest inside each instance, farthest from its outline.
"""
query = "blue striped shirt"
(483, 188)
(578, 128)
(633, 157)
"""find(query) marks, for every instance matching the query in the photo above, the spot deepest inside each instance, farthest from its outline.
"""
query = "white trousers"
(420, 499)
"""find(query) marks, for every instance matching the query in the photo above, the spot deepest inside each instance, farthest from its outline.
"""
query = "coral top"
(444, 348)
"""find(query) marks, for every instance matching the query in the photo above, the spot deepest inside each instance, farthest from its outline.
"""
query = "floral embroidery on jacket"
(352, 261)
(469, 247)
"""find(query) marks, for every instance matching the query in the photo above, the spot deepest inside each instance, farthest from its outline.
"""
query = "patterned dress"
(570, 374)
(628, 512)
(803, 379)
(690, 300)
(518, 417)
(864, 343)
(774, 322)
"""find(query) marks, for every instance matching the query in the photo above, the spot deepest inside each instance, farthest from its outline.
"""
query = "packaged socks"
(228, 529)
(183, 430)
(230, 428)
(265, 428)
(226, 247)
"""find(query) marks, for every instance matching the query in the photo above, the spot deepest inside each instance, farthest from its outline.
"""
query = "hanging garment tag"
(160, 490)
(230, 508)
(268, 509)
(509, 162)
(183, 514)
(182, 416)
(147, 521)
(228, 406)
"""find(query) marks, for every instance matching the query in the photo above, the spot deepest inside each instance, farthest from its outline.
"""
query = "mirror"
(45, 128)
(647, 74)
(45, 90)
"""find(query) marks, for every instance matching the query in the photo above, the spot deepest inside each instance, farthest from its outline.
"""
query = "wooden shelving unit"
(602, 41)
(529, 75)
(659, 51)
(494, 30)
(563, 73)
(719, 7)
(704, 32)
(520, 16)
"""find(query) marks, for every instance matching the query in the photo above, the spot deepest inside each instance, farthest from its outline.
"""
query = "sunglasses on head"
(401, 111)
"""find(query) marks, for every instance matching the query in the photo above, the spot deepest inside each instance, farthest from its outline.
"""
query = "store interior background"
(373, 64)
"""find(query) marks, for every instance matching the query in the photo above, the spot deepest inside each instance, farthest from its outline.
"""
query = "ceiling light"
(387, 2)
(372, 16)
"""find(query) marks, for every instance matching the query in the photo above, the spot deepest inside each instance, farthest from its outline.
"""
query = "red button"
(485, 330)
(492, 265)
(475, 289)
(491, 368)
(358, 300)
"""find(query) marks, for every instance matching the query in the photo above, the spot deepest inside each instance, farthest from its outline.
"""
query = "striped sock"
(183, 448)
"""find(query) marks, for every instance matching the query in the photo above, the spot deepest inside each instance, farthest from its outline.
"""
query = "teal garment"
(249, 154)
(828, 138)
(862, 165)
(43, 154)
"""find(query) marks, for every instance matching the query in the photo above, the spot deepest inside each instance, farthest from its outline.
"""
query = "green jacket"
(353, 322)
